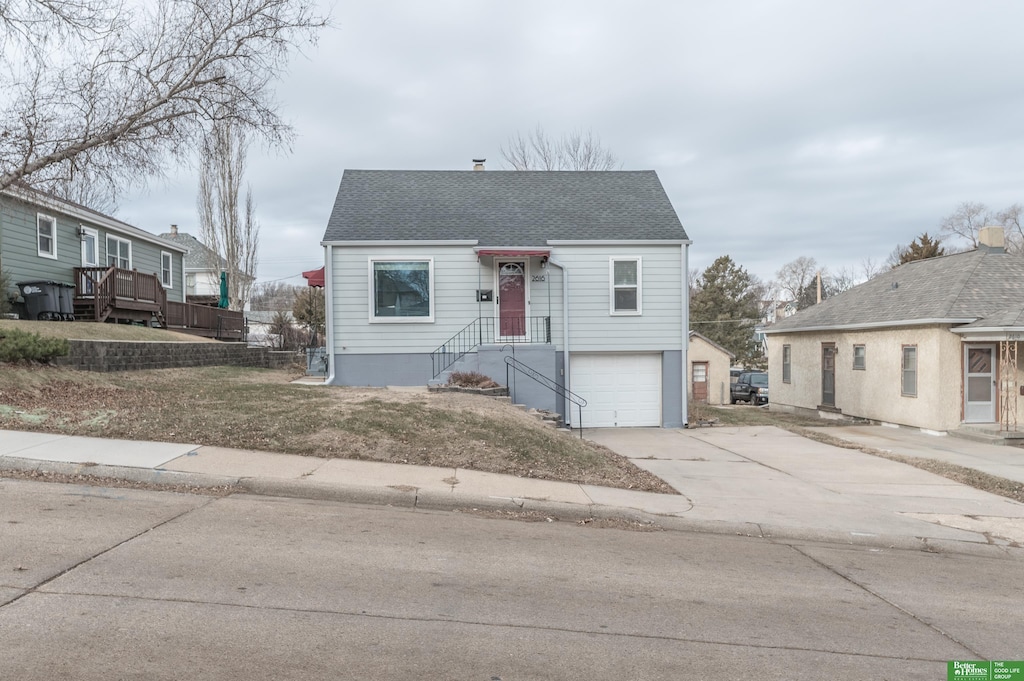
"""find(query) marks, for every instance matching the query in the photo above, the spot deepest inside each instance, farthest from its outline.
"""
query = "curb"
(418, 499)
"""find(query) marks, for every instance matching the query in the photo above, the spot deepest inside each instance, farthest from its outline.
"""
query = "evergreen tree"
(724, 307)
(921, 248)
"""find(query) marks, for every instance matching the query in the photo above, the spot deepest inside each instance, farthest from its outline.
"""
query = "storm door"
(828, 374)
(979, 384)
(512, 300)
(90, 258)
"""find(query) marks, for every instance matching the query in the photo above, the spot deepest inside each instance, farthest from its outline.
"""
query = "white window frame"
(52, 253)
(904, 371)
(372, 294)
(638, 286)
(106, 244)
(863, 357)
(787, 363)
(168, 281)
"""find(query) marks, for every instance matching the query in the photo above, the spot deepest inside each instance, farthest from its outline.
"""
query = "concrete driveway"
(790, 485)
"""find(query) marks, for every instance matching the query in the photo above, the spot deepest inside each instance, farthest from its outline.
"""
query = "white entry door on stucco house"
(979, 383)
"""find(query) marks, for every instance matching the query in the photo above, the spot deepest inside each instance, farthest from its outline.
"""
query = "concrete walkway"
(757, 481)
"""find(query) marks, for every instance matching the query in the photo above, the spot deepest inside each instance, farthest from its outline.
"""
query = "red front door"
(512, 299)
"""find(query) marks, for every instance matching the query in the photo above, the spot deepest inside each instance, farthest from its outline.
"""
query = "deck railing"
(223, 323)
(114, 287)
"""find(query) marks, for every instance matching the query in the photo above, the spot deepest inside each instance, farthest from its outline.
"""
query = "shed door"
(620, 389)
(700, 381)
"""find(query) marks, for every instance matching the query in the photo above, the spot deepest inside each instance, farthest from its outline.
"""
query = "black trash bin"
(42, 299)
(66, 301)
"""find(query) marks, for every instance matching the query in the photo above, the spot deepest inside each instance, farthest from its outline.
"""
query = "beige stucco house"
(931, 344)
(709, 370)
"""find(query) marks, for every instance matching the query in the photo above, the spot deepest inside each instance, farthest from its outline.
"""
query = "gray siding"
(458, 275)
(20, 258)
(593, 328)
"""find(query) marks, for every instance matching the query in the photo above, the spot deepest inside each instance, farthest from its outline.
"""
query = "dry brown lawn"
(263, 410)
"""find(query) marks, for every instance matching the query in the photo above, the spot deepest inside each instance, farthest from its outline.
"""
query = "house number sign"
(537, 277)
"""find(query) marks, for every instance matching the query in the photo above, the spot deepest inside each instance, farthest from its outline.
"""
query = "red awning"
(315, 277)
(512, 252)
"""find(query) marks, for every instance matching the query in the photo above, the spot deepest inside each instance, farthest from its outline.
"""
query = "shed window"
(787, 367)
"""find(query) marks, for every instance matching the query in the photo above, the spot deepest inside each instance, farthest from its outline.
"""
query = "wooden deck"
(115, 295)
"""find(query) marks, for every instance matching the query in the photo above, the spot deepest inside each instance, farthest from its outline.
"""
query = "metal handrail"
(526, 369)
(517, 330)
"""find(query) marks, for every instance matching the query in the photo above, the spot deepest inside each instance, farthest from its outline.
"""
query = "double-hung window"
(859, 357)
(46, 236)
(119, 253)
(166, 269)
(909, 366)
(626, 289)
(401, 290)
(787, 363)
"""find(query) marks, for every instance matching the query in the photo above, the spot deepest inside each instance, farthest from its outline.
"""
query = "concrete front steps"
(989, 433)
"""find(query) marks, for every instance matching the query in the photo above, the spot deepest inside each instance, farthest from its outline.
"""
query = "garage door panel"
(620, 389)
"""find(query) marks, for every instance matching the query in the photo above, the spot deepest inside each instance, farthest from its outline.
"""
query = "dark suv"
(750, 386)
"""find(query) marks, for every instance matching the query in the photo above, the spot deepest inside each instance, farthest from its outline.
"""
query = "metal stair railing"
(511, 363)
(490, 330)
(456, 347)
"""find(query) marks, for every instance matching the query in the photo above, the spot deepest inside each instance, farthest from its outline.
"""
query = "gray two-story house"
(577, 279)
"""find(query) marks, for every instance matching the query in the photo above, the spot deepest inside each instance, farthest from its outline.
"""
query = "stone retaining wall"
(138, 355)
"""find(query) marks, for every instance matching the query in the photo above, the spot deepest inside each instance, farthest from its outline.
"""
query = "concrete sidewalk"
(757, 481)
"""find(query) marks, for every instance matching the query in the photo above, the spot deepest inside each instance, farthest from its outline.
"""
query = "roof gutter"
(566, 405)
(329, 304)
(872, 325)
(685, 257)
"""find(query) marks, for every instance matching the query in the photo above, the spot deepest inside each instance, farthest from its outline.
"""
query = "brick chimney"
(992, 238)
(174, 230)
(478, 163)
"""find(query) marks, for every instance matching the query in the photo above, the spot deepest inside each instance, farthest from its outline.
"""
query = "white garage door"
(621, 390)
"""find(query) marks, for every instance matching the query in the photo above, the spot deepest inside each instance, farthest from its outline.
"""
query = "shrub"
(471, 379)
(5, 285)
(17, 345)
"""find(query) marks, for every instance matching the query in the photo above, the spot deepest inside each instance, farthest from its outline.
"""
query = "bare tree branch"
(144, 87)
(572, 151)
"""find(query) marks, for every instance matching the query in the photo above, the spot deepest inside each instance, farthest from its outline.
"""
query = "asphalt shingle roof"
(198, 256)
(963, 287)
(502, 208)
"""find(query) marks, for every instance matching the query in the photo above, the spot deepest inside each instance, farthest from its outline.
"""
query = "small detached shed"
(709, 370)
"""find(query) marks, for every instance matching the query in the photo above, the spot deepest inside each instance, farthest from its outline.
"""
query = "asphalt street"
(102, 583)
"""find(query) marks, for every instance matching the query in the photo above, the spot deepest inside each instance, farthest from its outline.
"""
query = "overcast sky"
(834, 130)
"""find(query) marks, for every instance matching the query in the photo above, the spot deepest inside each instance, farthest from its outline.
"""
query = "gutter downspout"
(566, 405)
(329, 316)
(685, 257)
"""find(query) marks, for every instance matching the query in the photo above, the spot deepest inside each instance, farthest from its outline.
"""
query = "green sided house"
(118, 272)
(932, 344)
(557, 284)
